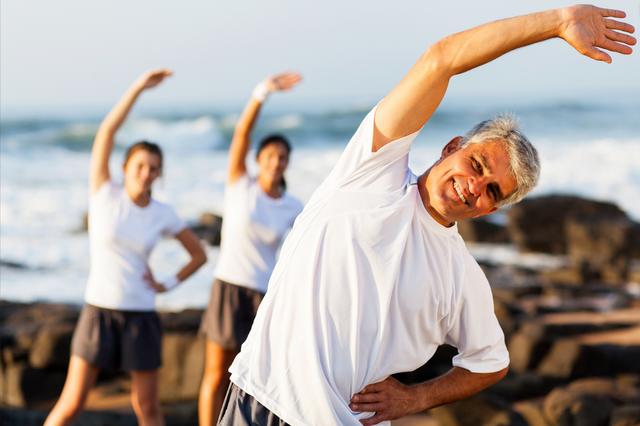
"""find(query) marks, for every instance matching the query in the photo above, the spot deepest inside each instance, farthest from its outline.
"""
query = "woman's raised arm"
(103, 143)
(242, 134)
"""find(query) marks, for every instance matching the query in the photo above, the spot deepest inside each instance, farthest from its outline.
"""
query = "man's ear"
(452, 146)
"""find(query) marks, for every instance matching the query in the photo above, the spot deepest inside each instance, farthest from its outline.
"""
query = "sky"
(74, 54)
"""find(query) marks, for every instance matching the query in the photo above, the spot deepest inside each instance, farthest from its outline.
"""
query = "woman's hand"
(283, 81)
(151, 282)
(153, 78)
(590, 30)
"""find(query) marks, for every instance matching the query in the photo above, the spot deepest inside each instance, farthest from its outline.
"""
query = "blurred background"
(64, 64)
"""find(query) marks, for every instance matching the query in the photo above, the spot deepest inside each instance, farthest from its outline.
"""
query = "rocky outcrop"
(182, 356)
(573, 333)
(591, 402)
(600, 246)
(478, 410)
(35, 342)
(599, 238)
(35, 348)
(539, 223)
(575, 344)
(483, 231)
(208, 228)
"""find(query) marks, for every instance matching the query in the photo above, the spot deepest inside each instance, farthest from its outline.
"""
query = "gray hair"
(524, 161)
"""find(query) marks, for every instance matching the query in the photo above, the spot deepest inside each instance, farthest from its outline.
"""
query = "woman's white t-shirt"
(122, 236)
(253, 228)
(368, 284)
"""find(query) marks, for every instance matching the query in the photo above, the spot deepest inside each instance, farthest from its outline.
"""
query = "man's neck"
(424, 196)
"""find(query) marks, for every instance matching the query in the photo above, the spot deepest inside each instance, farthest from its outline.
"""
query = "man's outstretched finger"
(623, 38)
(613, 12)
(369, 407)
(377, 418)
(616, 47)
(366, 397)
(612, 24)
(598, 55)
(374, 387)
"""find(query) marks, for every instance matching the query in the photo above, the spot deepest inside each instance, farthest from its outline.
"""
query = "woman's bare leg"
(215, 382)
(145, 399)
(81, 376)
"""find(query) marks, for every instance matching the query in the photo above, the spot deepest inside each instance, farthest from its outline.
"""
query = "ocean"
(589, 149)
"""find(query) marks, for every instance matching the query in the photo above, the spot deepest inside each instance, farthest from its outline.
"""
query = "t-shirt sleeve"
(107, 191)
(359, 168)
(475, 330)
(173, 224)
(236, 190)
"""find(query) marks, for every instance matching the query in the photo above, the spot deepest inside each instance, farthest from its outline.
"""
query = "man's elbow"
(499, 375)
(438, 58)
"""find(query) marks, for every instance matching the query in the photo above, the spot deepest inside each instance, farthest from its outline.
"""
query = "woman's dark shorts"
(230, 314)
(241, 409)
(118, 340)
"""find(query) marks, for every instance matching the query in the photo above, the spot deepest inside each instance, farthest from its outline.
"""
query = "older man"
(374, 275)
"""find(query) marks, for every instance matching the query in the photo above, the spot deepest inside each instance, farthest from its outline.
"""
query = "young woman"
(118, 326)
(257, 214)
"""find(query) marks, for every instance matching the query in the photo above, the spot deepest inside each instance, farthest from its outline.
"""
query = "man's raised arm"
(589, 29)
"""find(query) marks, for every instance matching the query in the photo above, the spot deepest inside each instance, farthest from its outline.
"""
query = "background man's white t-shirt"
(368, 284)
(122, 236)
(253, 228)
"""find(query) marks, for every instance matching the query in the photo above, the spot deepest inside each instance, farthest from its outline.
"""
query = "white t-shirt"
(252, 231)
(122, 236)
(368, 284)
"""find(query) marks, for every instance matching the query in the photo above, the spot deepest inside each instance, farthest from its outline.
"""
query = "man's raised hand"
(592, 30)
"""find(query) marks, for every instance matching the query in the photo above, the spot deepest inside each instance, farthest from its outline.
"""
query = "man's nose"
(476, 185)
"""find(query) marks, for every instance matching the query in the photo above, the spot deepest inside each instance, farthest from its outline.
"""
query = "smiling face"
(467, 182)
(140, 170)
(272, 161)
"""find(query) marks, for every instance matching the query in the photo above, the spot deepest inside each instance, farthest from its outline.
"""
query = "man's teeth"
(459, 192)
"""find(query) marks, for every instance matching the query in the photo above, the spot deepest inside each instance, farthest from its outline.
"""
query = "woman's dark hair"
(150, 147)
(275, 138)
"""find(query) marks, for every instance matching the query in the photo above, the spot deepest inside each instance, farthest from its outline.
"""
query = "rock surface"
(539, 223)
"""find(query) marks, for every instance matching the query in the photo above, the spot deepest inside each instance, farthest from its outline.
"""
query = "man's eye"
(494, 193)
(476, 165)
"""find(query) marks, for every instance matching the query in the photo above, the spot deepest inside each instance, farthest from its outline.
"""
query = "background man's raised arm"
(590, 30)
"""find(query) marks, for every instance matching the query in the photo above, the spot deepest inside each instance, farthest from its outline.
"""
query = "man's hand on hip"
(388, 399)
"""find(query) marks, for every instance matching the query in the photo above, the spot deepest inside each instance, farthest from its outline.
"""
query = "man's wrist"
(423, 394)
(561, 19)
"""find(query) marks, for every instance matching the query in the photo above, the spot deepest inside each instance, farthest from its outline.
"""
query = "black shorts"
(230, 314)
(118, 340)
(241, 409)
